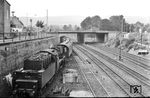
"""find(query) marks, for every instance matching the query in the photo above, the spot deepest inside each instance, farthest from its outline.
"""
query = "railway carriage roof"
(142, 50)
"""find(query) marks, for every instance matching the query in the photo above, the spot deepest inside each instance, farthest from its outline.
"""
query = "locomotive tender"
(39, 69)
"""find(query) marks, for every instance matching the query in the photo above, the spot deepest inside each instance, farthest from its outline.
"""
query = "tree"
(138, 25)
(76, 28)
(70, 27)
(96, 22)
(86, 23)
(132, 27)
(106, 25)
(91, 23)
(146, 28)
(116, 22)
(65, 28)
(55, 28)
(126, 27)
(40, 24)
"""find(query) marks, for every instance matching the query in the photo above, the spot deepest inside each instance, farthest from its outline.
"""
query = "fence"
(20, 36)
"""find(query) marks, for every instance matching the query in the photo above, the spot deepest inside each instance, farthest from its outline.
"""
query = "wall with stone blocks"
(13, 55)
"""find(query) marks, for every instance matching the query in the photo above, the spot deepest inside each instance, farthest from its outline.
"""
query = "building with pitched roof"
(16, 24)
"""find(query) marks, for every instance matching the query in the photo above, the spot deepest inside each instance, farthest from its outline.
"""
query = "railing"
(23, 36)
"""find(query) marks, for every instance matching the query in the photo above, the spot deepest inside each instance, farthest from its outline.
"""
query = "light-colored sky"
(104, 8)
(132, 10)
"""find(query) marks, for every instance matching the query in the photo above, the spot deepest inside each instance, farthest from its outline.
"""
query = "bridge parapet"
(101, 36)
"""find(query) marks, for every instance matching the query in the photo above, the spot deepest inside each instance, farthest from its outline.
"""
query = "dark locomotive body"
(39, 69)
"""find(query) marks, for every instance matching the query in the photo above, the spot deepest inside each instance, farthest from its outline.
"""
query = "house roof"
(16, 21)
(7, 2)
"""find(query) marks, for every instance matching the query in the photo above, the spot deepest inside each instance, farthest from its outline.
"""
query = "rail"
(143, 62)
(145, 80)
(95, 59)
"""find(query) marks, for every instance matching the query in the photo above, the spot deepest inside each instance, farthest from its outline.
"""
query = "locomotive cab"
(60, 56)
(66, 48)
(62, 51)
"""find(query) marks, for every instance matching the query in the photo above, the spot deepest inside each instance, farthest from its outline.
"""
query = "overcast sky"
(103, 8)
(81, 7)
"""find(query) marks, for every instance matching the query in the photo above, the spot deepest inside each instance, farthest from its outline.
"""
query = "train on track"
(39, 69)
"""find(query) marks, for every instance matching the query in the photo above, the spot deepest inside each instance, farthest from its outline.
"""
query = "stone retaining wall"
(13, 55)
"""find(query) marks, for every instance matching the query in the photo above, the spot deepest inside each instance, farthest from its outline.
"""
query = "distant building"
(16, 24)
(146, 35)
(113, 34)
(126, 35)
(4, 16)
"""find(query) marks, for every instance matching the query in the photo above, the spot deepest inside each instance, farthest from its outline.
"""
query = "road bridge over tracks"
(81, 36)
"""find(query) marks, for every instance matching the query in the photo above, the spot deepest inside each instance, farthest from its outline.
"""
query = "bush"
(130, 41)
(130, 47)
(117, 42)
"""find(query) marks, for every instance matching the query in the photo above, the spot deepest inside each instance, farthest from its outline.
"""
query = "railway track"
(106, 68)
(135, 74)
(98, 90)
(94, 84)
(131, 65)
(77, 60)
(139, 61)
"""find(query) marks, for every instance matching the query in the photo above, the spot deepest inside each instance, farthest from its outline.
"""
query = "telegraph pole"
(30, 28)
(47, 17)
(46, 21)
(121, 30)
(12, 18)
(140, 30)
(27, 19)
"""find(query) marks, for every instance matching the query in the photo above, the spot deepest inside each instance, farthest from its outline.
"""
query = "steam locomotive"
(39, 69)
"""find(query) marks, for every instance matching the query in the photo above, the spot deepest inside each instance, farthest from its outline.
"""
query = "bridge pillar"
(80, 38)
(100, 37)
(106, 37)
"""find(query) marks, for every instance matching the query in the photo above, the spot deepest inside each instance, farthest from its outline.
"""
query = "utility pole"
(140, 30)
(30, 28)
(47, 17)
(12, 18)
(27, 19)
(121, 30)
(46, 20)
(130, 28)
